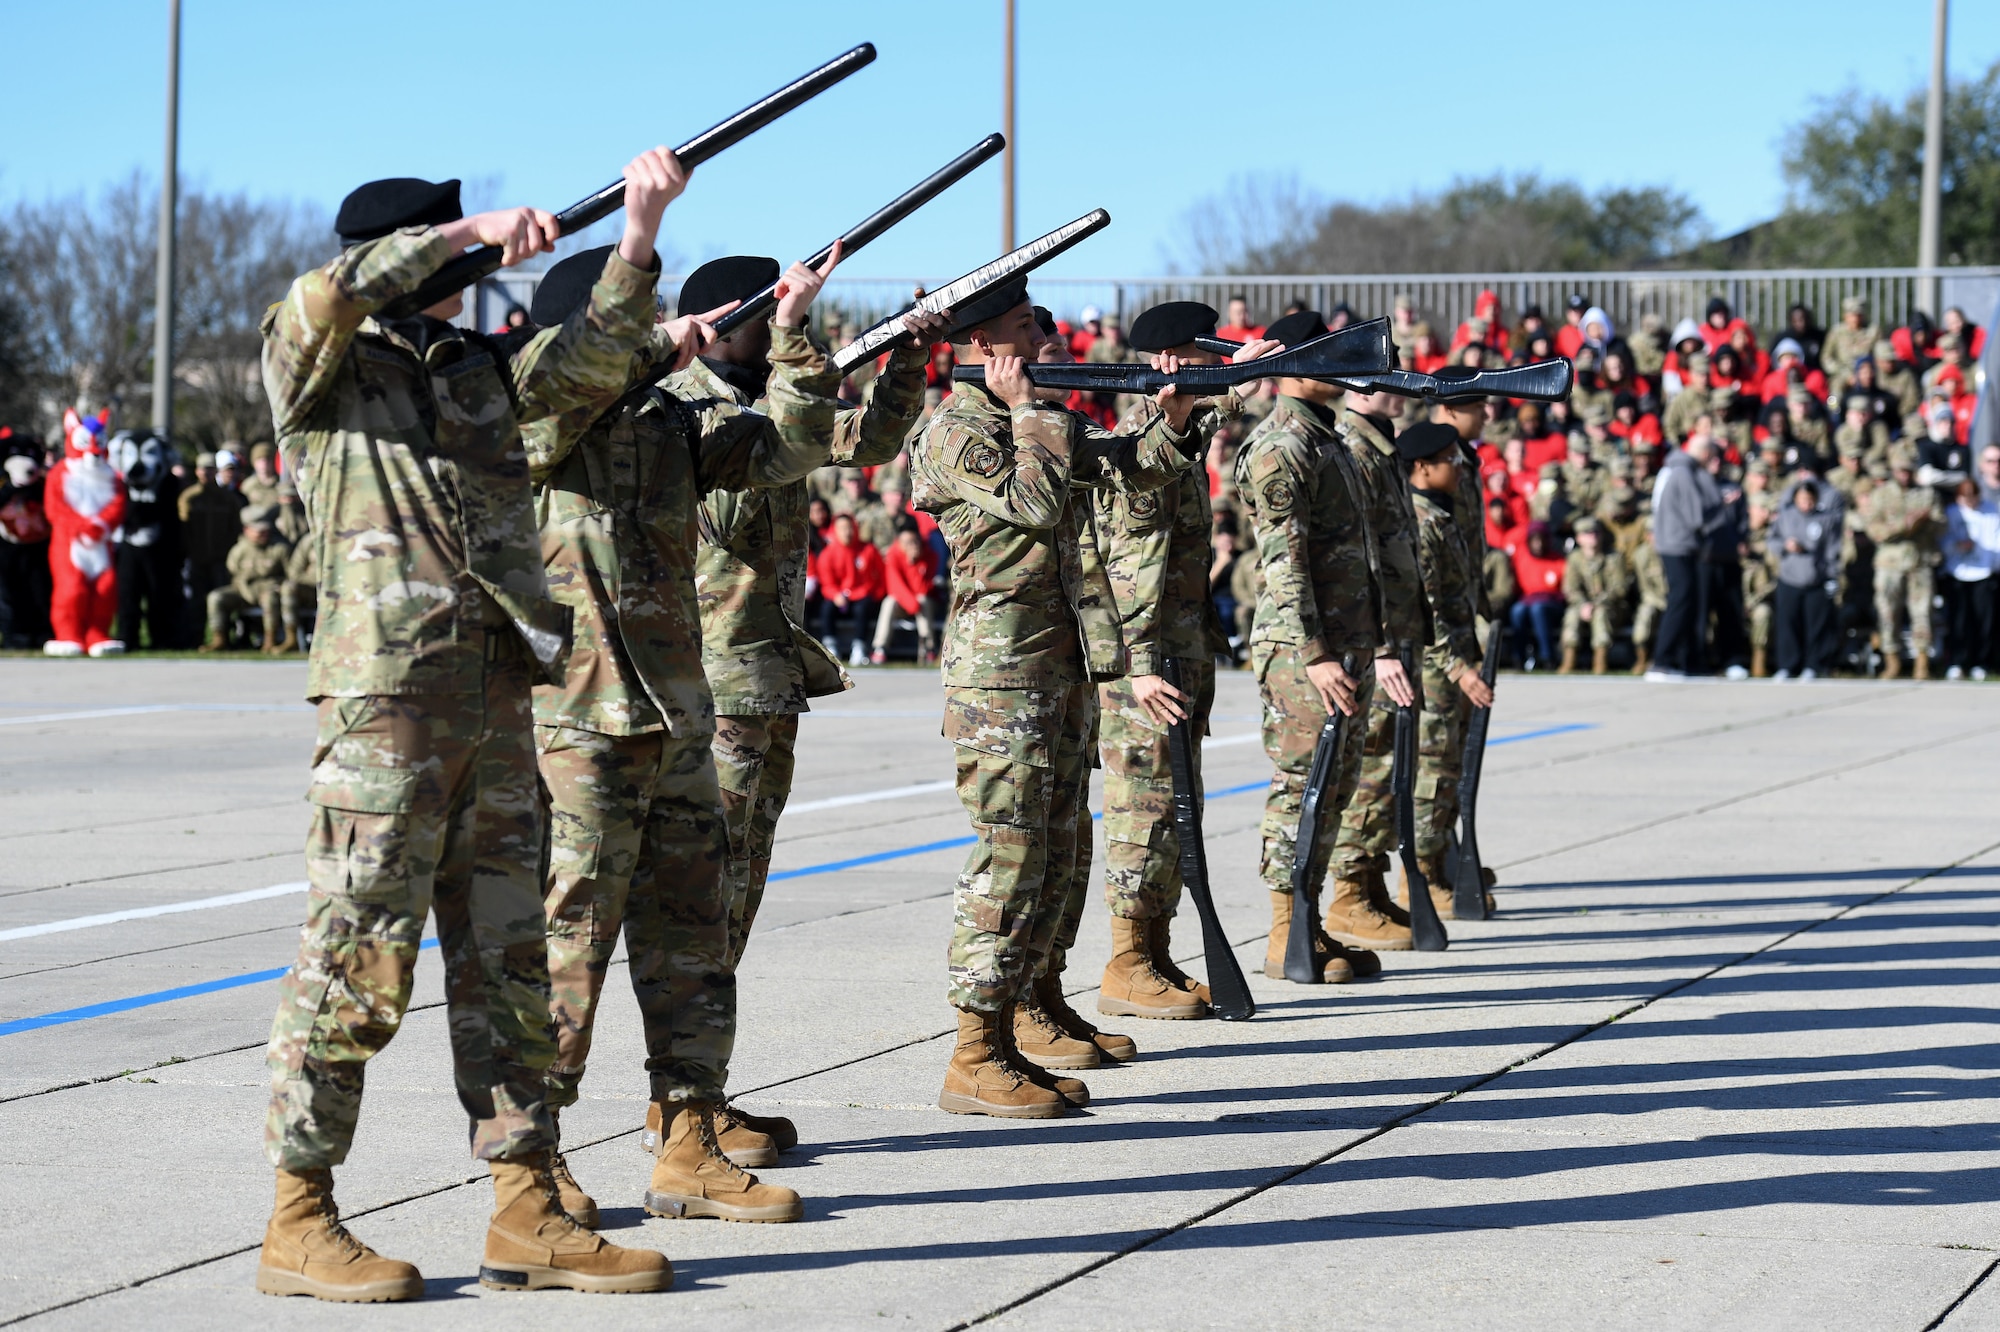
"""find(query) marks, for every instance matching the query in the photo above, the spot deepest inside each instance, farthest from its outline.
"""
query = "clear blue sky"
(1141, 109)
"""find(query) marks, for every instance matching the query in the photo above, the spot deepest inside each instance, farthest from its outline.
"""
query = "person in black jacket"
(24, 546)
(149, 543)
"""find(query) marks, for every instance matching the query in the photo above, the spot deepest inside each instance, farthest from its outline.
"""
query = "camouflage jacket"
(618, 501)
(1598, 579)
(1904, 522)
(750, 574)
(1452, 581)
(404, 439)
(1842, 347)
(1469, 512)
(1649, 575)
(1392, 518)
(254, 568)
(1157, 552)
(303, 567)
(1001, 483)
(1304, 498)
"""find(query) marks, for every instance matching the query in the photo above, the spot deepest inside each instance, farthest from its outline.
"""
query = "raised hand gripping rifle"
(1468, 883)
(1358, 349)
(473, 265)
(1229, 993)
(877, 338)
(1537, 381)
(1302, 961)
(1426, 930)
(870, 227)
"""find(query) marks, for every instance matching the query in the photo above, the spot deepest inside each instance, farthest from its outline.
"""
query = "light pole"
(1007, 128)
(1928, 223)
(163, 288)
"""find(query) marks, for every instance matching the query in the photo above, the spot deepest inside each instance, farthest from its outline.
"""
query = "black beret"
(567, 286)
(1172, 324)
(995, 302)
(381, 206)
(1046, 320)
(736, 277)
(1426, 439)
(1294, 329)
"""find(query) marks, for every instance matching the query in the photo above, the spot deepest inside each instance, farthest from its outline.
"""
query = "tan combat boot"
(1159, 938)
(1920, 665)
(744, 1137)
(1334, 968)
(1378, 894)
(1892, 664)
(1600, 660)
(580, 1205)
(533, 1244)
(979, 1080)
(1760, 663)
(1042, 1041)
(1568, 660)
(1133, 986)
(693, 1178)
(1642, 660)
(782, 1132)
(1110, 1045)
(1072, 1090)
(1433, 872)
(288, 642)
(308, 1252)
(1352, 919)
(217, 642)
(270, 637)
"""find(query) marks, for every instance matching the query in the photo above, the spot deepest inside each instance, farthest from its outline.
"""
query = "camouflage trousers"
(1759, 616)
(421, 803)
(1368, 823)
(1602, 626)
(1440, 760)
(226, 603)
(1142, 848)
(636, 843)
(1645, 624)
(755, 756)
(1023, 758)
(1292, 718)
(1903, 589)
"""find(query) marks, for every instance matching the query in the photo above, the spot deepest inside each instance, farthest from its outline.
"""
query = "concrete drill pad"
(1638, 854)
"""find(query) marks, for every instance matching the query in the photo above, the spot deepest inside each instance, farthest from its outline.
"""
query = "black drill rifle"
(869, 228)
(1537, 381)
(473, 265)
(1426, 930)
(879, 337)
(1358, 349)
(1229, 994)
(1468, 884)
(1302, 960)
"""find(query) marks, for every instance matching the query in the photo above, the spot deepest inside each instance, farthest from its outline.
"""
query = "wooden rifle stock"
(1426, 929)
(1229, 992)
(473, 265)
(869, 228)
(1358, 349)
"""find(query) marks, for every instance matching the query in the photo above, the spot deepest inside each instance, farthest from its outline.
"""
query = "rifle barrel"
(872, 226)
(473, 265)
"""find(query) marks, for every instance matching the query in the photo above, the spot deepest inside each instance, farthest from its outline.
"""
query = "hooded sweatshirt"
(1687, 506)
(1817, 534)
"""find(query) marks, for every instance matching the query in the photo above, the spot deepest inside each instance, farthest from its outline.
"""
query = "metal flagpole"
(1929, 222)
(163, 290)
(1007, 128)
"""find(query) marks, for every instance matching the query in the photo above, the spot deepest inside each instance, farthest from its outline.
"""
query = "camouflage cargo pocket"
(1425, 786)
(359, 845)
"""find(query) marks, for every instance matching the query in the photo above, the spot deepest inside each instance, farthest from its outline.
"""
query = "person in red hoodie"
(852, 584)
(1485, 326)
(1569, 338)
(1791, 369)
(910, 569)
(1537, 616)
(1239, 328)
(1720, 325)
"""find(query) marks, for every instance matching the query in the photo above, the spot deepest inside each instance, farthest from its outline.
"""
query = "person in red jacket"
(1721, 325)
(851, 586)
(1791, 369)
(1537, 616)
(1569, 338)
(910, 570)
(1425, 353)
(1239, 328)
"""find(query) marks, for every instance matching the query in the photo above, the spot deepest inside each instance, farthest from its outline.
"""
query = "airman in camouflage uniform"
(256, 578)
(1156, 552)
(404, 437)
(1760, 585)
(301, 592)
(1649, 579)
(1027, 635)
(1318, 625)
(1854, 338)
(1451, 681)
(1902, 518)
(625, 741)
(1359, 912)
(762, 666)
(1596, 578)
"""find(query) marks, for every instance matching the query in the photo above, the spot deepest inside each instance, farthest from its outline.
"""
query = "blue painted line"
(109, 1007)
(148, 1000)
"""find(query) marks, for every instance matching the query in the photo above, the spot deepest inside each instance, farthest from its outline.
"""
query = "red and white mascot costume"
(85, 500)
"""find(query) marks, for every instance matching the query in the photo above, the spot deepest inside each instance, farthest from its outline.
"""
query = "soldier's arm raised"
(874, 433)
(585, 362)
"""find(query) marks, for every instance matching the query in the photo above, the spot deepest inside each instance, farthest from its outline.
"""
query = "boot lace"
(704, 1127)
(329, 1212)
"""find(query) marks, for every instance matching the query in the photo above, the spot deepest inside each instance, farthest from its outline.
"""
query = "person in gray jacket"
(1688, 512)
(1805, 536)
